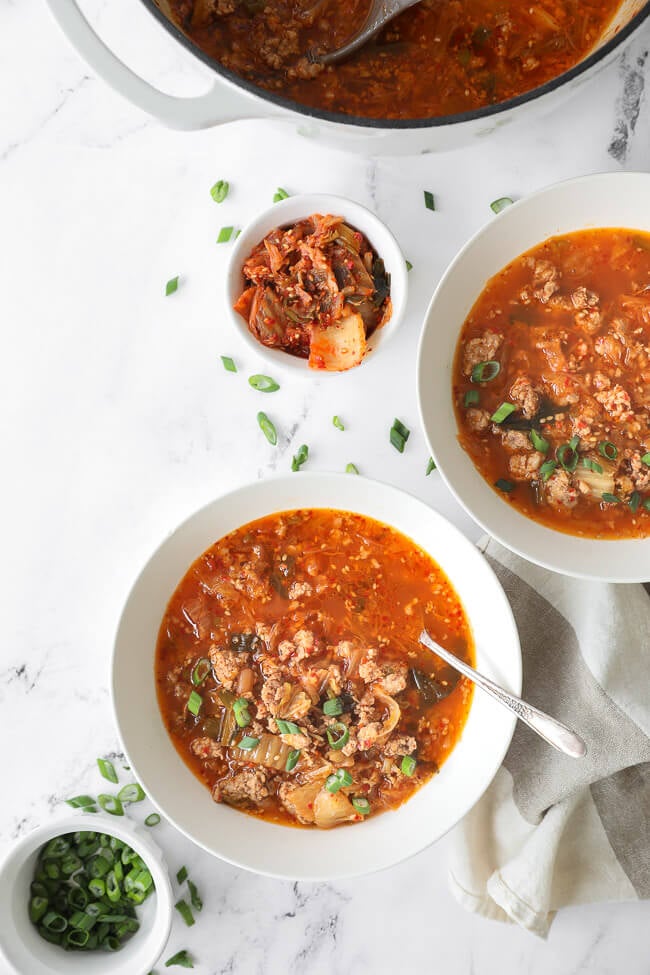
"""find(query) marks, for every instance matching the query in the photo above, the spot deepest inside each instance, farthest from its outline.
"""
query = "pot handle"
(222, 103)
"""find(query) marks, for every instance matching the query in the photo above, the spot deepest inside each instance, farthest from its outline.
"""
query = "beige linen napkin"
(552, 831)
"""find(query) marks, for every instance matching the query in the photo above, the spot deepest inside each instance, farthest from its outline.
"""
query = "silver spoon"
(381, 11)
(552, 731)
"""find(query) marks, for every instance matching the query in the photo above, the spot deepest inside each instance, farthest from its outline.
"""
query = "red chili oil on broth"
(317, 706)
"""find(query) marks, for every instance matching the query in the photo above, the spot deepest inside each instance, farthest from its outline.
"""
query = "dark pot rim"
(434, 122)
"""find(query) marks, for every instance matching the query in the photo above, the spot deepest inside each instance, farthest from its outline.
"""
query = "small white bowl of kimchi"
(316, 283)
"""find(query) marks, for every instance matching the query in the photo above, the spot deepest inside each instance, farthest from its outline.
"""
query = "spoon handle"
(552, 731)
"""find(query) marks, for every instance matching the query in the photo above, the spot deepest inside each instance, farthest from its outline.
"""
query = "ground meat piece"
(550, 344)
(639, 472)
(294, 741)
(394, 678)
(589, 319)
(583, 421)
(227, 664)
(623, 486)
(524, 395)
(351, 745)
(524, 467)
(302, 645)
(610, 347)
(276, 50)
(369, 670)
(546, 280)
(222, 7)
(249, 785)
(367, 736)
(561, 492)
(481, 349)
(514, 439)
(601, 381)
(400, 745)
(298, 589)
(617, 403)
(366, 708)
(207, 748)
(477, 420)
(583, 298)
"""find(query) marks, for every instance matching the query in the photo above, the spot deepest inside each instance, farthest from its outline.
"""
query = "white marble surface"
(118, 420)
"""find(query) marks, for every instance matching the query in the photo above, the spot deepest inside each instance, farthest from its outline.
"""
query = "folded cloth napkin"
(551, 830)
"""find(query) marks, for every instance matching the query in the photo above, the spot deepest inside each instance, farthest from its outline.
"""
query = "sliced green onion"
(287, 727)
(97, 887)
(498, 205)
(181, 875)
(219, 191)
(429, 201)
(338, 735)
(152, 819)
(635, 501)
(54, 922)
(333, 707)
(502, 412)
(263, 384)
(504, 485)
(133, 792)
(107, 769)
(171, 286)
(646, 504)
(300, 457)
(610, 498)
(224, 235)
(267, 428)
(185, 912)
(110, 804)
(567, 456)
(431, 466)
(241, 712)
(471, 396)
(181, 958)
(57, 847)
(292, 760)
(361, 805)
(228, 363)
(539, 442)
(608, 450)
(80, 802)
(399, 434)
(280, 194)
(485, 372)
(247, 743)
(408, 765)
(201, 671)
(574, 442)
(547, 469)
(409, 266)
(37, 909)
(337, 780)
(338, 423)
(592, 465)
(351, 469)
(195, 897)
(194, 703)
(646, 459)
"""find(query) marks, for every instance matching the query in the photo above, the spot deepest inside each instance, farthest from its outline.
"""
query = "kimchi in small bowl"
(316, 284)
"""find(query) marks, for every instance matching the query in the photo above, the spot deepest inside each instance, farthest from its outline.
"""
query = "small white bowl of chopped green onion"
(84, 893)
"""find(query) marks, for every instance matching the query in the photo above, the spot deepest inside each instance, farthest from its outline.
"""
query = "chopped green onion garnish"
(399, 434)
(337, 780)
(503, 485)
(133, 792)
(592, 465)
(336, 420)
(361, 805)
(181, 958)
(224, 235)
(539, 442)
(608, 450)
(280, 194)
(409, 266)
(567, 455)
(431, 466)
(498, 205)
(292, 759)
(219, 191)
(228, 363)
(300, 457)
(287, 727)
(181, 875)
(333, 707)
(429, 201)
(547, 469)
(646, 504)
(107, 769)
(485, 372)
(267, 428)
(338, 735)
(171, 286)
(646, 459)
(408, 765)
(241, 712)
(195, 897)
(263, 384)
(185, 912)
(247, 743)
(80, 802)
(574, 442)
(471, 396)
(194, 703)
(502, 412)
(635, 501)
(201, 671)
(610, 498)
(110, 804)
(152, 819)
(351, 469)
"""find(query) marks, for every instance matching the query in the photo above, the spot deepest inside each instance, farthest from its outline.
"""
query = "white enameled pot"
(231, 98)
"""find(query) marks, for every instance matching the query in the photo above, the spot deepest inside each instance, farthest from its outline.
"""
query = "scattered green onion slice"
(539, 442)
(431, 466)
(194, 703)
(399, 434)
(171, 286)
(498, 205)
(592, 465)
(429, 201)
(408, 765)
(502, 412)
(292, 759)
(133, 792)
(646, 459)
(263, 384)
(547, 469)
(409, 266)
(201, 671)
(181, 875)
(110, 804)
(574, 442)
(287, 727)
(241, 712)
(228, 363)
(338, 423)
(485, 372)
(608, 450)
(504, 485)
(280, 194)
(181, 958)
(224, 235)
(361, 805)
(635, 501)
(152, 819)
(610, 498)
(351, 469)
(195, 897)
(300, 457)
(337, 780)
(333, 707)
(247, 743)
(471, 396)
(80, 802)
(338, 735)
(107, 769)
(185, 912)
(267, 428)
(567, 455)
(37, 909)
(646, 504)
(219, 191)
